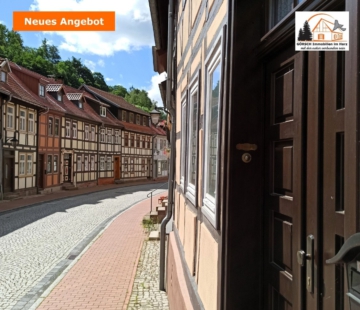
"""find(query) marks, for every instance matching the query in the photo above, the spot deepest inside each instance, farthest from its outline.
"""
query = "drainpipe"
(153, 160)
(1, 148)
(172, 111)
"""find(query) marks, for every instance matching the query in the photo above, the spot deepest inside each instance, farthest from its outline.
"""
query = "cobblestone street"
(37, 243)
(146, 293)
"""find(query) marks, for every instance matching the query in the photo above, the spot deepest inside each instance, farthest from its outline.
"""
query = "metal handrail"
(151, 194)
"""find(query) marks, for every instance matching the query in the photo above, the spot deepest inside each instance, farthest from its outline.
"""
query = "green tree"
(118, 90)
(100, 81)
(140, 99)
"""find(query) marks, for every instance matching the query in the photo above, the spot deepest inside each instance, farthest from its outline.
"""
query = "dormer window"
(131, 117)
(123, 117)
(138, 119)
(80, 105)
(144, 120)
(59, 97)
(3, 76)
(41, 90)
(103, 111)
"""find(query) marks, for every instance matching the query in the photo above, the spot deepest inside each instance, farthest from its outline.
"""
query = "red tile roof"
(114, 99)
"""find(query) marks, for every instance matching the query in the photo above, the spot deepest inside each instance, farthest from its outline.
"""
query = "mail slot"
(349, 254)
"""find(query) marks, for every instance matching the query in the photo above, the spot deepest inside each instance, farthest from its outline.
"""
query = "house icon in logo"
(321, 27)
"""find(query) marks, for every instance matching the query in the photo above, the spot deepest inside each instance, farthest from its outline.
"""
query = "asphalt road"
(38, 242)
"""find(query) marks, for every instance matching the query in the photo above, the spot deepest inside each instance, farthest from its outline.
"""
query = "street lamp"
(13, 140)
(155, 116)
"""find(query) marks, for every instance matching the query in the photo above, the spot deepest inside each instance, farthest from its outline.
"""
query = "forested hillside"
(46, 60)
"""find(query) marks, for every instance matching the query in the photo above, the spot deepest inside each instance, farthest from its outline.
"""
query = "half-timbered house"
(49, 130)
(19, 134)
(264, 184)
(136, 138)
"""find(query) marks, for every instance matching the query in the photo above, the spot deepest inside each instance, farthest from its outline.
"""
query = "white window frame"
(183, 140)
(92, 133)
(102, 135)
(51, 128)
(29, 164)
(22, 163)
(210, 207)
(31, 121)
(80, 104)
(117, 137)
(10, 116)
(74, 130)
(22, 120)
(67, 129)
(78, 163)
(86, 163)
(86, 132)
(59, 97)
(49, 164)
(41, 90)
(55, 163)
(191, 188)
(108, 163)
(92, 163)
(102, 111)
(56, 125)
(3, 76)
(102, 163)
(109, 136)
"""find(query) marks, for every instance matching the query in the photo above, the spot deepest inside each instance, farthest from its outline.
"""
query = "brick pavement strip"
(103, 276)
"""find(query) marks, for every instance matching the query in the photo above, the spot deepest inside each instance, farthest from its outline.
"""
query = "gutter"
(172, 111)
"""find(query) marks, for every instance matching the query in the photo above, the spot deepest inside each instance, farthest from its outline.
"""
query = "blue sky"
(124, 57)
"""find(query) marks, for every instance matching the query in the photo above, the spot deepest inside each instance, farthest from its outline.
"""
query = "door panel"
(117, 168)
(67, 167)
(41, 168)
(284, 190)
(8, 174)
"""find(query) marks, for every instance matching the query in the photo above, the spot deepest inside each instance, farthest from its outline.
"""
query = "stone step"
(160, 209)
(154, 235)
(69, 187)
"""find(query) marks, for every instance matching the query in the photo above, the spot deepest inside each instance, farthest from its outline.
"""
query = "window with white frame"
(22, 124)
(31, 122)
(56, 127)
(103, 111)
(92, 163)
(49, 164)
(192, 142)
(50, 126)
(22, 164)
(117, 137)
(74, 130)
(67, 129)
(92, 133)
(10, 117)
(86, 132)
(132, 140)
(29, 164)
(109, 136)
(108, 163)
(183, 140)
(41, 90)
(132, 164)
(56, 163)
(59, 97)
(78, 166)
(102, 163)
(126, 139)
(102, 135)
(3, 76)
(211, 139)
(86, 163)
(125, 164)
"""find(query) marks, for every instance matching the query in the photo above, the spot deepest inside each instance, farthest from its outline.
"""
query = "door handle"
(308, 257)
(246, 147)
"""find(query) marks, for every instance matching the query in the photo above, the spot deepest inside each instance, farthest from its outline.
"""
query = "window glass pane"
(50, 129)
(29, 164)
(212, 128)
(78, 163)
(56, 131)
(193, 138)
(55, 163)
(49, 164)
(22, 164)
(31, 122)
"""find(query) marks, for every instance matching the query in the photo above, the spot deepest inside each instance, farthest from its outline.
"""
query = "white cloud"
(108, 79)
(133, 26)
(153, 90)
(2, 22)
(101, 63)
(90, 64)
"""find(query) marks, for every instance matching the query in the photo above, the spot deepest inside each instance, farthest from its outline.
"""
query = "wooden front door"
(306, 168)
(283, 201)
(67, 167)
(117, 168)
(41, 168)
(8, 174)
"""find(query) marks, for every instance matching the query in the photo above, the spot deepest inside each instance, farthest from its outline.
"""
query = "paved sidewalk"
(9, 205)
(104, 275)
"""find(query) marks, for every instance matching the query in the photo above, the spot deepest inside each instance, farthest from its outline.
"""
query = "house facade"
(267, 155)
(160, 154)
(19, 135)
(136, 136)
